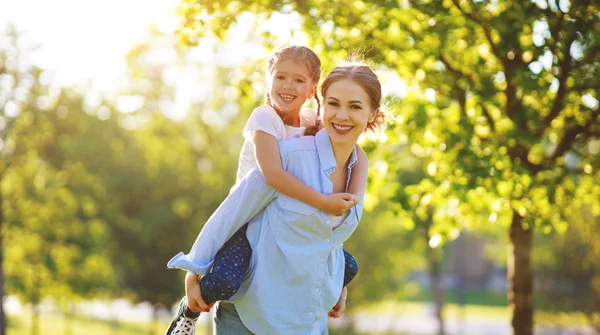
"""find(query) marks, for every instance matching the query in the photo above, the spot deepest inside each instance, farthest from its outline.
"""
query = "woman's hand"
(193, 294)
(340, 307)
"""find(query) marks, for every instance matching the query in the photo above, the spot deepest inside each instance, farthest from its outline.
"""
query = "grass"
(471, 297)
(55, 324)
(478, 312)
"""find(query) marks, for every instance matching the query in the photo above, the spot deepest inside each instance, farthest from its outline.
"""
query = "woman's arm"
(269, 163)
(360, 172)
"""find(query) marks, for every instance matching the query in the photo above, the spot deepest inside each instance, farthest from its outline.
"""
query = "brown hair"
(363, 75)
(313, 64)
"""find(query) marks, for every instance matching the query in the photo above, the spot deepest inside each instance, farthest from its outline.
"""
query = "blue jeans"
(228, 322)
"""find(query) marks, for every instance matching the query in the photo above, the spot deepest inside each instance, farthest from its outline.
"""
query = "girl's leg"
(223, 280)
(351, 268)
(228, 270)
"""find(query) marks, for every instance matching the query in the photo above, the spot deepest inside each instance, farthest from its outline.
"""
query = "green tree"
(12, 79)
(55, 239)
(513, 101)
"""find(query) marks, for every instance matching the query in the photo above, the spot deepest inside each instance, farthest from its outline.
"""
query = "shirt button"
(310, 314)
(328, 222)
(322, 264)
(317, 289)
(327, 240)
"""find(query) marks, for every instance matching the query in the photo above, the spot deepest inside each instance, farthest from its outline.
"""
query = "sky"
(84, 42)
(81, 40)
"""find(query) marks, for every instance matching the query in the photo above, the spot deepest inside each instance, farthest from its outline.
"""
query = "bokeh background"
(120, 130)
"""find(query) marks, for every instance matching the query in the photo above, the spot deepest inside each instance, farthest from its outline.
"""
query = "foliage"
(502, 102)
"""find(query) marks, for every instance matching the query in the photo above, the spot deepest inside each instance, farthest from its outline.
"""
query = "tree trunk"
(69, 318)
(35, 318)
(436, 287)
(435, 274)
(154, 322)
(520, 277)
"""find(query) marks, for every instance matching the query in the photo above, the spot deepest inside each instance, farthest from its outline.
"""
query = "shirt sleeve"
(248, 199)
(264, 118)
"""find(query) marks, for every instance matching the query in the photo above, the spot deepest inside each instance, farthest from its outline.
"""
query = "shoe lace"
(185, 326)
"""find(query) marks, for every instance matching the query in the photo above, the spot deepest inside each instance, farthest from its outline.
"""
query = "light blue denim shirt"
(297, 265)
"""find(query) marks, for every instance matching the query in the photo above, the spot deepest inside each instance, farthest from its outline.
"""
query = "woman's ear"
(373, 116)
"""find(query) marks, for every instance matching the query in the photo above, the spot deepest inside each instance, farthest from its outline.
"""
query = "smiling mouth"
(287, 97)
(341, 129)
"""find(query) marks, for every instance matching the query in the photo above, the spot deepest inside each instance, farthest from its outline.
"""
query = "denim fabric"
(227, 321)
(297, 265)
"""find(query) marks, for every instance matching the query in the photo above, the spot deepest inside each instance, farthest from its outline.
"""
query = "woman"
(297, 263)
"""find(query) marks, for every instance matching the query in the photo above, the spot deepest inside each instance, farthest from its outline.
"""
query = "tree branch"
(489, 118)
(474, 16)
(580, 88)
(456, 72)
(566, 143)
(458, 91)
(520, 152)
(559, 101)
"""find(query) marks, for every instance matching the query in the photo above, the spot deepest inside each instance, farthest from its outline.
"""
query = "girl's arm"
(242, 204)
(360, 172)
(269, 163)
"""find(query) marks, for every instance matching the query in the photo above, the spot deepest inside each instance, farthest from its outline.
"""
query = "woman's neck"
(342, 153)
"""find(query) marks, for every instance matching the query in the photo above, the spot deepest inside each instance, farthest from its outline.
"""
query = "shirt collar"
(325, 152)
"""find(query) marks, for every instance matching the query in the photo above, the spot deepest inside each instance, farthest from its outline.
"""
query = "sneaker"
(184, 322)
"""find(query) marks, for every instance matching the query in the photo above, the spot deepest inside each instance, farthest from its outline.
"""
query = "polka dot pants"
(229, 268)
(232, 262)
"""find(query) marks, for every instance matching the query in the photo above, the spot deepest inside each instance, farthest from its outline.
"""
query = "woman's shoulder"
(297, 145)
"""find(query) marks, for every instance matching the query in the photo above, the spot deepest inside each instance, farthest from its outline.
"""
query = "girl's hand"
(340, 307)
(193, 294)
(338, 203)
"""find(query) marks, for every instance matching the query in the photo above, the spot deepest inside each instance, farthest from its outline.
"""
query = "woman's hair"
(313, 64)
(363, 75)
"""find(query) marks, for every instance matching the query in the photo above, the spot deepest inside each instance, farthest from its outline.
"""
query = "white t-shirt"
(264, 118)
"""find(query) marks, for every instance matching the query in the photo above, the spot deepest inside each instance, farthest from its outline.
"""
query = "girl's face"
(290, 86)
(347, 111)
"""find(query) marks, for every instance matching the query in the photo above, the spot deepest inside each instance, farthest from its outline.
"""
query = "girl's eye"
(332, 103)
(280, 77)
(356, 107)
(299, 81)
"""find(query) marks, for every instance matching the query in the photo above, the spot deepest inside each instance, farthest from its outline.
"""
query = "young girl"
(293, 73)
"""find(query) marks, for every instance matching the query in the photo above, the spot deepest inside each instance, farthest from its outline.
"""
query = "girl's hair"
(363, 75)
(313, 64)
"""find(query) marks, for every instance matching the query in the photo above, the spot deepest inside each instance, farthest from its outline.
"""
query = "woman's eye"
(299, 81)
(332, 103)
(280, 77)
(356, 107)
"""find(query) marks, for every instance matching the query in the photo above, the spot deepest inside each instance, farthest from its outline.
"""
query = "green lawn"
(480, 312)
(55, 324)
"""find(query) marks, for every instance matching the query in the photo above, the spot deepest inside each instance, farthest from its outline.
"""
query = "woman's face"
(347, 111)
